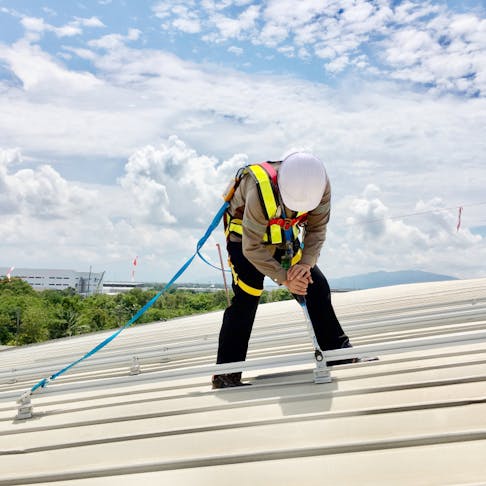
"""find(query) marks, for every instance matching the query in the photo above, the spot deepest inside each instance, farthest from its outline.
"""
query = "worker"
(270, 206)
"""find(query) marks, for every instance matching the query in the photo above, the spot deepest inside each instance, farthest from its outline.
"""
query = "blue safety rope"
(210, 264)
(43, 383)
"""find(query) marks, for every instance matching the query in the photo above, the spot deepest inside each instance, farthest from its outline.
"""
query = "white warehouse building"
(84, 283)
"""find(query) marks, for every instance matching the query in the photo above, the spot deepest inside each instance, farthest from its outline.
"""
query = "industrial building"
(84, 283)
(114, 288)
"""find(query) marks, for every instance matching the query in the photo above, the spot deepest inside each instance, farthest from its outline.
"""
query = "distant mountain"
(385, 279)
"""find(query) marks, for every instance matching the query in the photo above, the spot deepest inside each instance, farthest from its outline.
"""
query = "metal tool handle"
(317, 349)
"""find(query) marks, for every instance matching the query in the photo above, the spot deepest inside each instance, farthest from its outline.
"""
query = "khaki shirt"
(246, 205)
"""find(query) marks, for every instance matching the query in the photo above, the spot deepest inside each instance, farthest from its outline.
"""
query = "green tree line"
(30, 316)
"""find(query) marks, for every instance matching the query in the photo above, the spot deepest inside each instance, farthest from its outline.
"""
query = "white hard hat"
(302, 180)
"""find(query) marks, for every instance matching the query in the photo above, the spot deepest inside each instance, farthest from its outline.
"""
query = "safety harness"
(265, 177)
(280, 230)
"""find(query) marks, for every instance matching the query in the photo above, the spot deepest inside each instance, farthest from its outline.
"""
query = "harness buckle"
(287, 224)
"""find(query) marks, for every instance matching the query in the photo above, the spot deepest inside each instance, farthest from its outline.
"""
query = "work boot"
(346, 344)
(228, 380)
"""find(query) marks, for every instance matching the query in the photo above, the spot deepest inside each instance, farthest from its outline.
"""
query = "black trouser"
(239, 316)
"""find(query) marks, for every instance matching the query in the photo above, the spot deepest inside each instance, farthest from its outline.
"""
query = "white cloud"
(239, 27)
(294, 14)
(189, 16)
(35, 27)
(188, 25)
(115, 41)
(167, 183)
(414, 145)
(425, 239)
(408, 11)
(238, 51)
(159, 210)
(186, 19)
(331, 29)
(183, 15)
(40, 193)
(289, 51)
(49, 11)
(162, 10)
(139, 96)
(89, 22)
(418, 42)
(448, 52)
(272, 35)
(82, 53)
(218, 5)
(337, 65)
(37, 70)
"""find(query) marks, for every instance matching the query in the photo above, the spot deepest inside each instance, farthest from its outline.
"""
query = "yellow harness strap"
(269, 202)
(296, 258)
(243, 286)
(275, 230)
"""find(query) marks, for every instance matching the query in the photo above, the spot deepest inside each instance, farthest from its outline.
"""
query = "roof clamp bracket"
(321, 372)
(12, 378)
(24, 410)
(165, 359)
(135, 367)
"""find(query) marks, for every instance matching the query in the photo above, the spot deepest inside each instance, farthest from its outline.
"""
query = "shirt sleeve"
(254, 227)
(316, 228)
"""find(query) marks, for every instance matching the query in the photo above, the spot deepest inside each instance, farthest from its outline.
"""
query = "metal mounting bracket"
(135, 367)
(322, 373)
(24, 410)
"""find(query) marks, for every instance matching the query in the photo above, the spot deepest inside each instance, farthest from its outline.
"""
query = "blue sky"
(122, 122)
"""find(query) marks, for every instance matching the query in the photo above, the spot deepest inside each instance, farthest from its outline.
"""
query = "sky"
(121, 123)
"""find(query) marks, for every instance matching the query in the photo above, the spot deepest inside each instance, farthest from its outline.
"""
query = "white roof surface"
(415, 417)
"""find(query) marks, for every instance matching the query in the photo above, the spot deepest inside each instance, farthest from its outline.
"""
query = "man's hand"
(297, 285)
(300, 270)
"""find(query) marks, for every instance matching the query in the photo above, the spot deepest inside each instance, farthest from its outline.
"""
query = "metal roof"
(141, 411)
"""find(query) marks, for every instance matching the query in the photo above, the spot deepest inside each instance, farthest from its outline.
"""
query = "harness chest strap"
(287, 223)
(265, 177)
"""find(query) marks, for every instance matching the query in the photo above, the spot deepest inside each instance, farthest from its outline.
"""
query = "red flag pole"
(133, 269)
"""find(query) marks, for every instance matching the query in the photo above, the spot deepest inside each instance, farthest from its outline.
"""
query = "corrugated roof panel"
(413, 417)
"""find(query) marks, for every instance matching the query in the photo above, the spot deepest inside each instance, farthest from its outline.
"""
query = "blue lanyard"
(289, 233)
